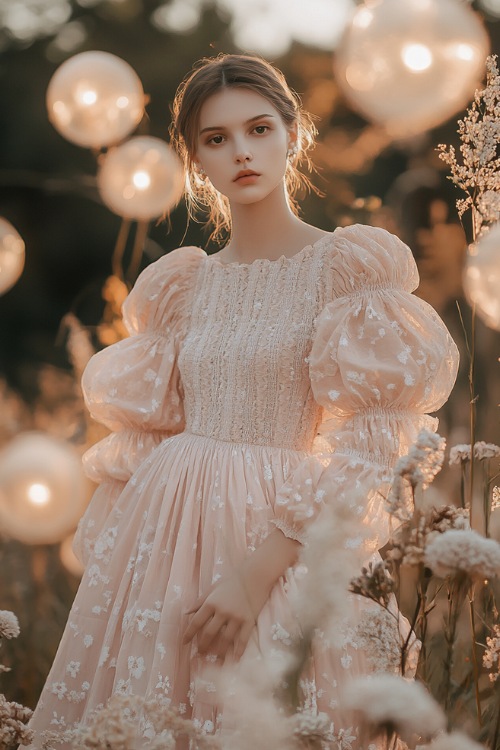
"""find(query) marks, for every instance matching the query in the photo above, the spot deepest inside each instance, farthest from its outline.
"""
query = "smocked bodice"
(243, 362)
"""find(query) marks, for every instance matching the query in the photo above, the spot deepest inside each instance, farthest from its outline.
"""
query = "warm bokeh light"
(43, 491)
(38, 493)
(141, 179)
(95, 99)
(409, 65)
(482, 277)
(416, 57)
(12, 254)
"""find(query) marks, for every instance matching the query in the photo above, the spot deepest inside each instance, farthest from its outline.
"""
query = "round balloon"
(141, 179)
(409, 65)
(43, 491)
(482, 277)
(11, 255)
(68, 557)
(95, 99)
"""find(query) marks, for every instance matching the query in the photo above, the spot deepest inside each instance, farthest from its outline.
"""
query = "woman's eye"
(216, 139)
(261, 129)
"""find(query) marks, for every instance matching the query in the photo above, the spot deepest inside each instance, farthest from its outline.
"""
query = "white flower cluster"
(495, 498)
(13, 720)
(461, 453)
(491, 657)
(378, 634)
(454, 741)
(463, 551)
(418, 468)
(479, 174)
(9, 624)
(382, 704)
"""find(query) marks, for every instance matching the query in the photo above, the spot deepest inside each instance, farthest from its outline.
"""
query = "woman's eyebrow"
(221, 127)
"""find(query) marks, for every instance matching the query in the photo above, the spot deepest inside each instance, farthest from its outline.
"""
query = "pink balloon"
(43, 491)
(141, 179)
(409, 65)
(12, 256)
(95, 99)
(482, 277)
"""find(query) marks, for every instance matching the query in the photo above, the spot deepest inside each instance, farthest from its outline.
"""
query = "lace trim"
(288, 530)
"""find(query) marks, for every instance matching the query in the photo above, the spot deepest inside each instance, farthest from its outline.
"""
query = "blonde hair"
(208, 76)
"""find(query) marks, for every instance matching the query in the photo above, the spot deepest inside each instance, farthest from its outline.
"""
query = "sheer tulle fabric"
(246, 397)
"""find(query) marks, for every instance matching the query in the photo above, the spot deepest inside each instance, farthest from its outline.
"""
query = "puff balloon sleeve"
(133, 386)
(381, 360)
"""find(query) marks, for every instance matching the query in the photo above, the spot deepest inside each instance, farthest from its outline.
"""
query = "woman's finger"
(227, 638)
(209, 633)
(242, 640)
(203, 615)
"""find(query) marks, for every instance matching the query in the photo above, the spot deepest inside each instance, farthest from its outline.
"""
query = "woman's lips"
(247, 178)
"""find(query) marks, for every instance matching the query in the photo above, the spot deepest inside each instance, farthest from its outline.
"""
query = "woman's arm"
(225, 617)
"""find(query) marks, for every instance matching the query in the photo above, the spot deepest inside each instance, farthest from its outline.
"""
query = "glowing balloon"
(409, 65)
(11, 256)
(95, 99)
(68, 557)
(141, 179)
(482, 277)
(43, 491)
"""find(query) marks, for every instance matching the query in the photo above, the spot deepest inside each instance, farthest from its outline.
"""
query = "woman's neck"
(266, 229)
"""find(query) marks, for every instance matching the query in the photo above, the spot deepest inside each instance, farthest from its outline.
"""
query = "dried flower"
(310, 727)
(447, 517)
(378, 634)
(409, 543)
(459, 454)
(418, 468)
(79, 344)
(375, 583)
(495, 498)
(463, 551)
(382, 705)
(13, 719)
(491, 657)
(9, 624)
(454, 741)
(484, 450)
(479, 174)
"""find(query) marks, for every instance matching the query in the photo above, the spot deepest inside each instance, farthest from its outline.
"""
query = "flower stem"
(475, 664)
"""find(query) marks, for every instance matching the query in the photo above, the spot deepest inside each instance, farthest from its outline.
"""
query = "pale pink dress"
(215, 402)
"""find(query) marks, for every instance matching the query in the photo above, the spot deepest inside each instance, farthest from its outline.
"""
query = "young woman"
(233, 363)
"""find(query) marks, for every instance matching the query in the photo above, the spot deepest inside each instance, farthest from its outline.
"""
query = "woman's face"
(240, 130)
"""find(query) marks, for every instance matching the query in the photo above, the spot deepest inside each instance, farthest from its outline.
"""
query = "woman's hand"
(224, 618)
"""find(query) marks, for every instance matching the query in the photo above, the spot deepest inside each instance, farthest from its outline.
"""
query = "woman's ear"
(293, 136)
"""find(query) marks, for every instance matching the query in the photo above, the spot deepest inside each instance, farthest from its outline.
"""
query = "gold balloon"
(11, 255)
(95, 99)
(141, 179)
(43, 490)
(409, 65)
(482, 277)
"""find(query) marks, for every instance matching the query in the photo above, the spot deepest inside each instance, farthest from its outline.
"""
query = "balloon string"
(137, 251)
(118, 252)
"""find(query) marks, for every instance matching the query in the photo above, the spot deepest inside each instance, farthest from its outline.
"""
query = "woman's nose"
(242, 155)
